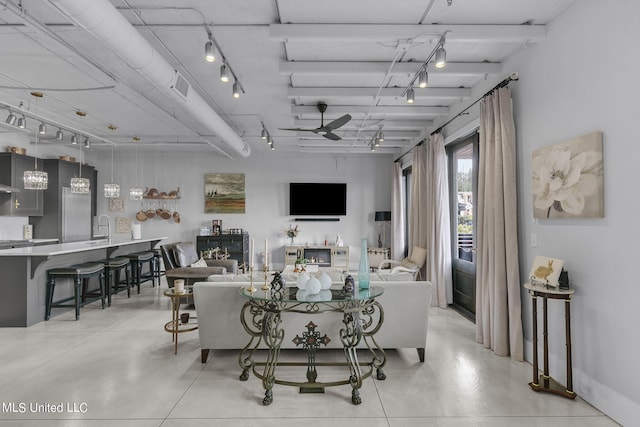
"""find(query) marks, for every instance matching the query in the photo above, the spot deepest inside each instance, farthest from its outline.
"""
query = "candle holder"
(251, 288)
(266, 286)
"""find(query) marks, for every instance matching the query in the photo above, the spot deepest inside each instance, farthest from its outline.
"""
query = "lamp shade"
(383, 216)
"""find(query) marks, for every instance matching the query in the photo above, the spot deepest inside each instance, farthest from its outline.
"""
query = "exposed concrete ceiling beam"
(393, 32)
(361, 111)
(381, 67)
(371, 92)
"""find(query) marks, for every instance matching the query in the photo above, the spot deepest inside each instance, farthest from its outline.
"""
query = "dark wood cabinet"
(236, 244)
(26, 202)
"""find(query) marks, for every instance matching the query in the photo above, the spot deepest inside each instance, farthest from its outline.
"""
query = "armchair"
(412, 264)
(178, 257)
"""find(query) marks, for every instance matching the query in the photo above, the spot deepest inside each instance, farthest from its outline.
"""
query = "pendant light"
(80, 185)
(135, 193)
(111, 190)
(35, 179)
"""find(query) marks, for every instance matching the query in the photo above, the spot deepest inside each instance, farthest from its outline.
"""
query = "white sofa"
(218, 306)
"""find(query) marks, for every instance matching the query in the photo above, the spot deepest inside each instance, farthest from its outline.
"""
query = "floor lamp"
(383, 217)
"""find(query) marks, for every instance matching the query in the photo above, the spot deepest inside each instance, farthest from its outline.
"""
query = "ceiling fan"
(325, 130)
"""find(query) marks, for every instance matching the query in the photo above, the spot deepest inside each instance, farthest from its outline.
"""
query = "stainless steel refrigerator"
(76, 216)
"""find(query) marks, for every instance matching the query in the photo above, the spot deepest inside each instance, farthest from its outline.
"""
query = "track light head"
(74, 139)
(209, 52)
(22, 122)
(269, 140)
(11, 119)
(42, 129)
(423, 79)
(59, 135)
(380, 137)
(263, 134)
(87, 144)
(236, 90)
(441, 57)
(410, 96)
(373, 147)
(273, 147)
(224, 73)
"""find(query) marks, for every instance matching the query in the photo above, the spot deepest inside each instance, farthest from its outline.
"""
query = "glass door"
(463, 172)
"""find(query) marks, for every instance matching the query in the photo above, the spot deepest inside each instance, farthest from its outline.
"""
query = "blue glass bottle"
(363, 270)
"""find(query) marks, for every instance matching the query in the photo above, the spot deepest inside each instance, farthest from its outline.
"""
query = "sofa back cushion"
(186, 254)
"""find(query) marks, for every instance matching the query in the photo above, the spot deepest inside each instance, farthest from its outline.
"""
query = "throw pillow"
(199, 263)
(186, 253)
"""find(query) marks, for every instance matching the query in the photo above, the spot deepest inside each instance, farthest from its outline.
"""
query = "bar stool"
(157, 260)
(137, 260)
(113, 267)
(80, 274)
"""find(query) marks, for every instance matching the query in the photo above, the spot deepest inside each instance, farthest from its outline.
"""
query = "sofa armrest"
(231, 265)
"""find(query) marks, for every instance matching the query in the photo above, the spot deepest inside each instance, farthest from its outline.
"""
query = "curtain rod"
(503, 83)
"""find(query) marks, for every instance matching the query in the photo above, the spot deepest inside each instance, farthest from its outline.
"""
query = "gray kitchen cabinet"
(25, 202)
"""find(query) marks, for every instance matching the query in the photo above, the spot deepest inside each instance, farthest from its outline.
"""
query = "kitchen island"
(23, 279)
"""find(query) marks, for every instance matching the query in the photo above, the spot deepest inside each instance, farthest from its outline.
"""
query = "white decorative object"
(339, 241)
(179, 284)
(302, 280)
(325, 281)
(301, 295)
(312, 286)
(546, 271)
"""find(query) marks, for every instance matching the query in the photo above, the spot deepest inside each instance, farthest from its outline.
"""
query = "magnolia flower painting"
(568, 179)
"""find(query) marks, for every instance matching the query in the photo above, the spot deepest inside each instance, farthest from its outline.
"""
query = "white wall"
(267, 178)
(582, 78)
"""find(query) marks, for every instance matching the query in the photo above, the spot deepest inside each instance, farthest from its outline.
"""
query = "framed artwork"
(116, 204)
(123, 225)
(568, 179)
(546, 271)
(224, 193)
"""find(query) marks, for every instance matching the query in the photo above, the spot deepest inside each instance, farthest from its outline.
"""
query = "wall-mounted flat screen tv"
(307, 198)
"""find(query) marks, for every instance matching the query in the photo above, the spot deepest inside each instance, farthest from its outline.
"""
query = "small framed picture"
(546, 271)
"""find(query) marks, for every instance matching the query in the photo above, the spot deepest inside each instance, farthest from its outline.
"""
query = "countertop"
(71, 247)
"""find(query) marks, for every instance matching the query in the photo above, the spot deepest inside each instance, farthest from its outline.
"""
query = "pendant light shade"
(35, 180)
(135, 193)
(112, 189)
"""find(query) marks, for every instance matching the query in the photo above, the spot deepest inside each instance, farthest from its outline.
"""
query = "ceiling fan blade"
(332, 136)
(337, 123)
(298, 129)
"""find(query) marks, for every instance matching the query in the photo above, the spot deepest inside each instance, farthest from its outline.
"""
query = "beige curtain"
(438, 241)
(498, 311)
(397, 213)
(418, 223)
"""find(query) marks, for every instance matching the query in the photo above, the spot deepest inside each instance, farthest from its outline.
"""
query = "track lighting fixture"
(22, 122)
(421, 75)
(87, 144)
(224, 73)
(59, 135)
(380, 136)
(263, 134)
(11, 118)
(373, 147)
(423, 78)
(74, 139)
(209, 51)
(42, 129)
(410, 96)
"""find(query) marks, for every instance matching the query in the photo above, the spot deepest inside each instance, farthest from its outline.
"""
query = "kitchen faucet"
(108, 225)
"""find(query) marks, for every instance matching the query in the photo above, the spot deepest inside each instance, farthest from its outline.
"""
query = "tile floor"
(116, 367)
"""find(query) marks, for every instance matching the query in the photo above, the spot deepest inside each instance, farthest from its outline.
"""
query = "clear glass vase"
(363, 270)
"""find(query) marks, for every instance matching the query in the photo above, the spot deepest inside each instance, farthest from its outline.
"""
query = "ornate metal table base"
(261, 319)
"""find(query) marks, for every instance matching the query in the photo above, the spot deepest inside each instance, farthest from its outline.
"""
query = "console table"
(362, 317)
(323, 256)
(544, 382)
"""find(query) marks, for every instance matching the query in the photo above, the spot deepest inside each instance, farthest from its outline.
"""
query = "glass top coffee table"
(362, 317)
